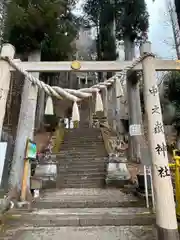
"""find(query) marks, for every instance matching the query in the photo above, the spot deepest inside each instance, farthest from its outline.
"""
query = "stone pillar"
(5, 76)
(110, 107)
(134, 109)
(25, 130)
(166, 220)
(91, 111)
(104, 93)
(40, 108)
(135, 115)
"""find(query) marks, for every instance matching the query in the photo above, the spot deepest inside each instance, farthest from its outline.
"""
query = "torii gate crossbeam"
(94, 66)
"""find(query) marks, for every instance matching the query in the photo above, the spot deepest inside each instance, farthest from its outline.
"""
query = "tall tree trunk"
(177, 5)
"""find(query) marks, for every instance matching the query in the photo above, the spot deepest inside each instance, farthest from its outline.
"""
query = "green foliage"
(40, 24)
(172, 87)
(108, 45)
(131, 19)
(172, 93)
(100, 13)
(58, 46)
(92, 10)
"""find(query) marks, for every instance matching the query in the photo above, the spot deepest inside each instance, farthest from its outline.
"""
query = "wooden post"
(25, 130)
(165, 206)
(25, 179)
(104, 92)
(5, 76)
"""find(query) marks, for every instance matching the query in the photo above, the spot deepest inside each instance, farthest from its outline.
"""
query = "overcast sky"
(160, 32)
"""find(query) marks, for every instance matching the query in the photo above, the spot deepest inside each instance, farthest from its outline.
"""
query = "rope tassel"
(49, 106)
(75, 113)
(119, 89)
(99, 104)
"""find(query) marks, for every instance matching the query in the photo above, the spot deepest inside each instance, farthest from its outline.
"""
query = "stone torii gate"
(165, 206)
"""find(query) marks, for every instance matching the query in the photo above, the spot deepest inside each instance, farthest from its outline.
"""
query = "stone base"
(167, 234)
(117, 183)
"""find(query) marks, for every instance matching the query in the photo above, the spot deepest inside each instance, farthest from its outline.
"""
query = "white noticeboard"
(135, 130)
(3, 147)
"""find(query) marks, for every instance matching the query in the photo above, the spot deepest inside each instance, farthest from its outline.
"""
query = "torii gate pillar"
(166, 220)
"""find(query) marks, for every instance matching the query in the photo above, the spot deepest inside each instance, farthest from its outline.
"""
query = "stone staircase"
(84, 210)
(82, 159)
(87, 213)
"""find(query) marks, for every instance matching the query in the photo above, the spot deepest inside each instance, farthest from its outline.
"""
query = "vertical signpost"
(166, 221)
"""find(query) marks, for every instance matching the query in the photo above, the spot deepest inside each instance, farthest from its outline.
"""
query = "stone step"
(86, 174)
(147, 232)
(86, 136)
(82, 177)
(80, 171)
(82, 168)
(84, 157)
(81, 150)
(92, 145)
(81, 128)
(81, 159)
(80, 180)
(79, 165)
(70, 203)
(83, 135)
(86, 217)
(98, 166)
(84, 198)
(73, 153)
(82, 139)
(86, 130)
(81, 185)
(84, 181)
